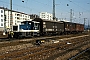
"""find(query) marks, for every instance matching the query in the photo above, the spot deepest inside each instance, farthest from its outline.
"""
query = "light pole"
(11, 21)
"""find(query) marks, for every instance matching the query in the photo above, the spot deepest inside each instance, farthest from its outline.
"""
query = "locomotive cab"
(26, 29)
(36, 27)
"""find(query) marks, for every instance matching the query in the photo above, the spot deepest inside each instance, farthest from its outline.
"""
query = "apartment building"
(33, 16)
(46, 15)
(17, 17)
(1, 18)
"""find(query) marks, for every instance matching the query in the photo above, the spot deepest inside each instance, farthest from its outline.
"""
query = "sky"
(80, 8)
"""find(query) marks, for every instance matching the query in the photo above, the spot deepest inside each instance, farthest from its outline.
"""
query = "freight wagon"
(79, 28)
(48, 27)
(69, 27)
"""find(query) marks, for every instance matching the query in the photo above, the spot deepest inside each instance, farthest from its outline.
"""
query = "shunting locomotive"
(26, 29)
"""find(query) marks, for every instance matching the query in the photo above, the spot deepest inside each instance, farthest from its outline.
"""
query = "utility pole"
(88, 24)
(84, 22)
(70, 15)
(11, 21)
(54, 10)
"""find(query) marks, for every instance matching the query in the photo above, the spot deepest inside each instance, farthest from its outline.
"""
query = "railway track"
(85, 55)
(13, 42)
(45, 51)
(70, 52)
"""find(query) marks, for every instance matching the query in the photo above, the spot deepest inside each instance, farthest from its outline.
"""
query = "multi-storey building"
(17, 17)
(1, 18)
(46, 15)
(33, 16)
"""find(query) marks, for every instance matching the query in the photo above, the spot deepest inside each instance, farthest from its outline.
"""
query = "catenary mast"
(11, 21)
(54, 10)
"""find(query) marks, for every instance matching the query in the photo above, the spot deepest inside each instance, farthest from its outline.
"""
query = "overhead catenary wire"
(78, 5)
(28, 8)
(45, 5)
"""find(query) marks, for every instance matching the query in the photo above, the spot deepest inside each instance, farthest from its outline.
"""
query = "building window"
(15, 24)
(1, 11)
(1, 15)
(28, 16)
(1, 20)
(15, 17)
(18, 18)
(1, 24)
(15, 14)
(18, 14)
(21, 15)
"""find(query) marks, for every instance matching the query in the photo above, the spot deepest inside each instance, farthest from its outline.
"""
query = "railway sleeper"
(13, 54)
